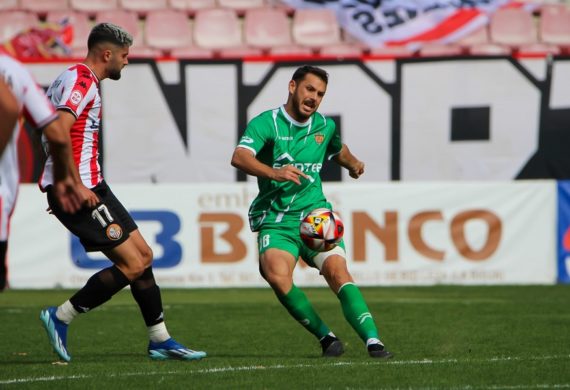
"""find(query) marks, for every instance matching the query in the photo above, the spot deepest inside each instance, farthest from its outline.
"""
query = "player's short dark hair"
(108, 32)
(301, 72)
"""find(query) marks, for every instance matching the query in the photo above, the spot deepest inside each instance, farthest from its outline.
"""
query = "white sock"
(373, 340)
(66, 312)
(330, 334)
(158, 333)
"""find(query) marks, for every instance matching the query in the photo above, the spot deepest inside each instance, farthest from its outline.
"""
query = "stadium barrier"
(396, 234)
(440, 126)
(440, 119)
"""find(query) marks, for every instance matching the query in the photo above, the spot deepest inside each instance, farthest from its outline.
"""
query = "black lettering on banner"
(412, 12)
(321, 2)
(474, 3)
(467, 3)
(434, 7)
(366, 19)
(371, 3)
(393, 18)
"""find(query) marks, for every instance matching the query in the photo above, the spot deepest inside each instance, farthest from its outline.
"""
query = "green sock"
(356, 312)
(296, 302)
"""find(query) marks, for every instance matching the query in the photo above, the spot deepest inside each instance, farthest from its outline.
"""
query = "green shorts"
(287, 238)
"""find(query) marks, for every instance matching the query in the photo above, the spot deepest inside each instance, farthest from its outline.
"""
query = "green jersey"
(276, 139)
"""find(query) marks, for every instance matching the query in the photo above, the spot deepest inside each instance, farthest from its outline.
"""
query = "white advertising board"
(396, 234)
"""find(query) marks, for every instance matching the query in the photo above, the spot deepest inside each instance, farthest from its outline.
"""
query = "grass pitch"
(444, 337)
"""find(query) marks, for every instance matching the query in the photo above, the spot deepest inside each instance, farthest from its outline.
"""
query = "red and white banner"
(382, 22)
(396, 234)
(51, 40)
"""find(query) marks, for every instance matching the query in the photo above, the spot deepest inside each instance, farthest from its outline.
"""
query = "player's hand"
(288, 173)
(72, 196)
(67, 194)
(356, 170)
(89, 198)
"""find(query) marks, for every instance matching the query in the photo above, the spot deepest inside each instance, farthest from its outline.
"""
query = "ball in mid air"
(321, 230)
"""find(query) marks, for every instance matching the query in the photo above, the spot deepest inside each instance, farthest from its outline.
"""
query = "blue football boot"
(170, 349)
(57, 332)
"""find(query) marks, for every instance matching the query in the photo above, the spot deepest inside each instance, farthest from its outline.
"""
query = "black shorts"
(100, 228)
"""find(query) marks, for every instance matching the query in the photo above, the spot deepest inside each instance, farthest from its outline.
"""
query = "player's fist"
(356, 170)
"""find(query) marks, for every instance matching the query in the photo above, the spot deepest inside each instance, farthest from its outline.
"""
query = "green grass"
(444, 337)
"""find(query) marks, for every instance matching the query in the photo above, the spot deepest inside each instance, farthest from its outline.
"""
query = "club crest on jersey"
(76, 97)
(114, 232)
(319, 138)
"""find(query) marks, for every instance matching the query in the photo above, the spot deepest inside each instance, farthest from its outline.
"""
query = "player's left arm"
(347, 160)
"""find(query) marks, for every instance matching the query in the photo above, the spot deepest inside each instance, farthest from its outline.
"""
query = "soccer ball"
(321, 230)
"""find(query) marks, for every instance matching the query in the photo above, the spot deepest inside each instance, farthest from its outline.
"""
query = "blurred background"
(246, 28)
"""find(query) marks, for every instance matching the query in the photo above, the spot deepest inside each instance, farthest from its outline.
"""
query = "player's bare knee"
(334, 264)
(146, 257)
(130, 271)
(279, 283)
(282, 287)
(138, 263)
(335, 270)
(271, 277)
(135, 269)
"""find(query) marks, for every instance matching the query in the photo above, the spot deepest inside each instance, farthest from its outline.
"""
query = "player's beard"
(300, 115)
(115, 74)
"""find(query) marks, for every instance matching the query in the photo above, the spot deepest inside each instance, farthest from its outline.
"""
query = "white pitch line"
(43, 379)
(516, 387)
(216, 370)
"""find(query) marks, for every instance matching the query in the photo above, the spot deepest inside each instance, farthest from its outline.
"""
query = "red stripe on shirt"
(77, 143)
(93, 163)
(83, 82)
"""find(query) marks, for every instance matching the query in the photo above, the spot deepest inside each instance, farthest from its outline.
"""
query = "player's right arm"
(257, 135)
(39, 111)
(67, 189)
(9, 112)
(244, 160)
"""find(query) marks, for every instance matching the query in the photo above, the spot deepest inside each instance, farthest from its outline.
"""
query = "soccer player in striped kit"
(21, 97)
(104, 224)
(285, 148)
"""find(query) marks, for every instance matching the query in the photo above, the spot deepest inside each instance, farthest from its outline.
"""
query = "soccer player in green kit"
(285, 149)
